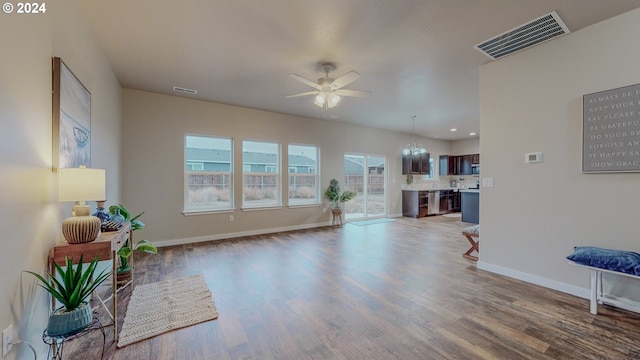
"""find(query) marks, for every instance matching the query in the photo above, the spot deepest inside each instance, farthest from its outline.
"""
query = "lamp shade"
(81, 184)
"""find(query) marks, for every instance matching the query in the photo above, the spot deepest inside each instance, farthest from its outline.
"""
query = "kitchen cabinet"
(457, 164)
(465, 164)
(415, 203)
(415, 163)
(449, 201)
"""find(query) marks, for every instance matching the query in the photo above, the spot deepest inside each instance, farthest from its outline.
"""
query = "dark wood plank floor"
(395, 290)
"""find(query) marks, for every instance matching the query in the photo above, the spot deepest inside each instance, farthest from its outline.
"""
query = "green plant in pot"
(125, 252)
(336, 197)
(71, 288)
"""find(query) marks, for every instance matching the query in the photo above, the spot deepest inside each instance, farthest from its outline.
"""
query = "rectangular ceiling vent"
(539, 30)
(185, 90)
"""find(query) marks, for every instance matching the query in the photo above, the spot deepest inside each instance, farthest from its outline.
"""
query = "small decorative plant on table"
(71, 287)
(337, 199)
(124, 254)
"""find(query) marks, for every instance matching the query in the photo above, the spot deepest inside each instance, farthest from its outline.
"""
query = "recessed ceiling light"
(471, 134)
(454, 129)
(185, 90)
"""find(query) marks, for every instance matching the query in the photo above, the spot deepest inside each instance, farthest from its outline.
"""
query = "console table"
(105, 247)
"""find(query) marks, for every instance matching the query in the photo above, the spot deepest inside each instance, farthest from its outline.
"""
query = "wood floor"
(395, 290)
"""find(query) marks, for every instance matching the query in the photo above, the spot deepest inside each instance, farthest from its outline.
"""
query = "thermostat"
(533, 158)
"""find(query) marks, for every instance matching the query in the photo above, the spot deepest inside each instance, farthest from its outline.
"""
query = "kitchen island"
(430, 201)
(470, 205)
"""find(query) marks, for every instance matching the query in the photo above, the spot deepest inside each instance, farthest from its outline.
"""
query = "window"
(432, 171)
(260, 174)
(208, 174)
(303, 177)
(195, 166)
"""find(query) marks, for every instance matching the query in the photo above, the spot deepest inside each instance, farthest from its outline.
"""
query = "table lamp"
(80, 185)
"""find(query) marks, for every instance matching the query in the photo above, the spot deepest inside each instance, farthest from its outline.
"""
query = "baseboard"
(197, 239)
(536, 280)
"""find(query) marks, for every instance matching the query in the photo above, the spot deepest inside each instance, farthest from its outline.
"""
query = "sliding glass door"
(365, 174)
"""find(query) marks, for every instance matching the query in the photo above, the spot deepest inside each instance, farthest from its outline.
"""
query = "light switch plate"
(487, 182)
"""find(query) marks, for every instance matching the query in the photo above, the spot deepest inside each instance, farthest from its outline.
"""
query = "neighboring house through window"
(208, 175)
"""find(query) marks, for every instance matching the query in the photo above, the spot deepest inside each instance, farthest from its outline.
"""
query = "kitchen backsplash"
(444, 182)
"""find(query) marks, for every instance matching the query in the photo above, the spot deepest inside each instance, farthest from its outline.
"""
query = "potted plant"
(124, 268)
(71, 287)
(337, 198)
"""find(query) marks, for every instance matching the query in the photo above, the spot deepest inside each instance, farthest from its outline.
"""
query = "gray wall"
(532, 101)
(31, 215)
(153, 141)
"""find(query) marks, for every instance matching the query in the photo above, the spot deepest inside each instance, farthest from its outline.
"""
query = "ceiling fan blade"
(345, 80)
(356, 93)
(305, 81)
(304, 94)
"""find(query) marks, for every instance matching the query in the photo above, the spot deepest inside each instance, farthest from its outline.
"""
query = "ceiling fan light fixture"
(334, 99)
(320, 100)
(329, 91)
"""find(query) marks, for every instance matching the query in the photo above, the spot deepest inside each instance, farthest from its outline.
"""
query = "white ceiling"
(415, 56)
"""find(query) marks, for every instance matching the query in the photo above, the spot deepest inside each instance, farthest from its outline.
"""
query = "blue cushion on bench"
(614, 260)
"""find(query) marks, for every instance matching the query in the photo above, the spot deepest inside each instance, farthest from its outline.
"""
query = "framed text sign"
(611, 130)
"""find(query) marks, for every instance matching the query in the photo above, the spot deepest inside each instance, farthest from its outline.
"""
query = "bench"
(615, 262)
(471, 232)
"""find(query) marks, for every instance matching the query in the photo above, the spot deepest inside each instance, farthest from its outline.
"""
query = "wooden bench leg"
(475, 246)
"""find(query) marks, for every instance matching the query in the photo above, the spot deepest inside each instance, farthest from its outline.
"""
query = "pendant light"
(413, 148)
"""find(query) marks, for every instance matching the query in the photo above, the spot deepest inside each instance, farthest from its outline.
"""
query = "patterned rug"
(164, 306)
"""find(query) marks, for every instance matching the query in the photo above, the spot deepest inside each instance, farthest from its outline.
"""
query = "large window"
(303, 175)
(260, 174)
(208, 173)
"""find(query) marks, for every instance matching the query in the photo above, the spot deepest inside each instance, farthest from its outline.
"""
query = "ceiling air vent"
(534, 32)
(185, 90)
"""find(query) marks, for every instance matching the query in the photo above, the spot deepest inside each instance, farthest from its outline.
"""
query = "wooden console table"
(105, 247)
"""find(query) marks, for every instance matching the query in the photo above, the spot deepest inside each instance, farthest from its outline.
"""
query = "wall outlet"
(231, 218)
(7, 340)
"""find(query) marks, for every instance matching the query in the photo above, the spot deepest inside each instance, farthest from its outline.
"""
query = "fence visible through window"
(209, 190)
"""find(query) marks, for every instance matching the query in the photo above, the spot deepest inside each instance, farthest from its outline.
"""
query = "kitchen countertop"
(446, 188)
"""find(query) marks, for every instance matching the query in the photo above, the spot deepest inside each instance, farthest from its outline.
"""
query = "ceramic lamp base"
(81, 229)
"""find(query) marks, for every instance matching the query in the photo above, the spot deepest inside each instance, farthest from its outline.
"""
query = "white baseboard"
(197, 239)
(536, 280)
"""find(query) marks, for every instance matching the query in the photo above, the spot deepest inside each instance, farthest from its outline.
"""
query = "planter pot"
(123, 277)
(63, 322)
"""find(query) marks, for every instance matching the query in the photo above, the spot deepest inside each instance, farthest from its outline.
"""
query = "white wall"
(31, 217)
(532, 101)
(465, 147)
(153, 169)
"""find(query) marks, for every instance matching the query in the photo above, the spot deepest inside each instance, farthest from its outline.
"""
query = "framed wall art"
(611, 130)
(71, 119)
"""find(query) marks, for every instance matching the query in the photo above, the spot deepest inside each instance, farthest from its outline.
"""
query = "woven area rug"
(453, 215)
(164, 306)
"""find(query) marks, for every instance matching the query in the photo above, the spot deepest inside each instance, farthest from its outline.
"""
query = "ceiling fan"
(328, 91)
